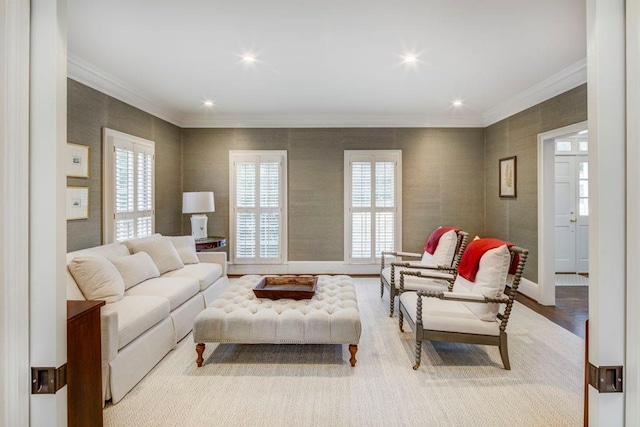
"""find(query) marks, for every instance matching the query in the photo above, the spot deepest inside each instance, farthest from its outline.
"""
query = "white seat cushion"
(447, 316)
(412, 283)
(205, 272)
(137, 314)
(176, 289)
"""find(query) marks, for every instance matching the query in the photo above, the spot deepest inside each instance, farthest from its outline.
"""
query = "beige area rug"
(314, 385)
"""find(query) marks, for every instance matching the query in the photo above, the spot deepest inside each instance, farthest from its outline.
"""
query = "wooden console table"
(84, 363)
(210, 243)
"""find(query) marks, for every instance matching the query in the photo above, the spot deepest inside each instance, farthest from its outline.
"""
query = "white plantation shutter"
(129, 186)
(372, 194)
(258, 206)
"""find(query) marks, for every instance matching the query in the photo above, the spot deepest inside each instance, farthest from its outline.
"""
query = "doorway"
(571, 194)
(546, 287)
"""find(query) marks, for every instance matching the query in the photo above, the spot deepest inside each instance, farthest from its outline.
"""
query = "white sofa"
(147, 319)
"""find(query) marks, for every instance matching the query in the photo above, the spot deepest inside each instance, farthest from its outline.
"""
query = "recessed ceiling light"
(248, 58)
(208, 103)
(457, 103)
(410, 59)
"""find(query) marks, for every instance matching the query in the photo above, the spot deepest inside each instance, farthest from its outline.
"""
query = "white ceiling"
(328, 63)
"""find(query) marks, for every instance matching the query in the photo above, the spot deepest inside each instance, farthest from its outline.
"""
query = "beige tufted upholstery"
(330, 317)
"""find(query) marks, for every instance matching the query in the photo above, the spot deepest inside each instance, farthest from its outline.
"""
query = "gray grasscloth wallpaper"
(440, 167)
(516, 220)
(88, 112)
(450, 175)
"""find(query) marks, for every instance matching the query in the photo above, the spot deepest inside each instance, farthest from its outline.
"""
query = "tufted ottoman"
(237, 316)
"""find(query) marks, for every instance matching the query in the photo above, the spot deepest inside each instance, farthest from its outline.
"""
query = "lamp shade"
(198, 202)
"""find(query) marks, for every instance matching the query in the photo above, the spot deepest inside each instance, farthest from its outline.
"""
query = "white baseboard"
(305, 267)
(530, 289)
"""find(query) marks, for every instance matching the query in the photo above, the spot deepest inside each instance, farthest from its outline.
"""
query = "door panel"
(565, 208)
(582, 215)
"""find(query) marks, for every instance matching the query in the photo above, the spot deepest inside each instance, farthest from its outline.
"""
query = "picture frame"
(77, 203)
(77, 161)
(507, 177)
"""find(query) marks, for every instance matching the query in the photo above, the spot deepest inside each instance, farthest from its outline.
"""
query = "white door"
(565, 229)
(572, 214)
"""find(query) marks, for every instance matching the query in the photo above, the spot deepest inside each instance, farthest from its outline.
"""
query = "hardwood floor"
(571, 309)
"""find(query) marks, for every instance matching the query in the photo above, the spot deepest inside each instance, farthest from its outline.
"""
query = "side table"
(84, 363)
(210, 243)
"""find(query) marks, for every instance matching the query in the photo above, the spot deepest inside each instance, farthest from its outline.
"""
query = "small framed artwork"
(507, 177)
(77, 203)
(77, 160)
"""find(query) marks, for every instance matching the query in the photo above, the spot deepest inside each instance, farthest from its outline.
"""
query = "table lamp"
(197, 203)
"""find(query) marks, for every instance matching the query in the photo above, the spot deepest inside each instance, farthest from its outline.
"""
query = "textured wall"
(516, 219)
(88, 112)
(442, 179)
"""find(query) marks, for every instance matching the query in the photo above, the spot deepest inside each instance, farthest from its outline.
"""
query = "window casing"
(258, 206)
(129, 186)
(373, 204)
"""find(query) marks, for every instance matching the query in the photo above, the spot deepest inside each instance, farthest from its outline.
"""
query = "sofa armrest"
(109, 342)
(214, 258)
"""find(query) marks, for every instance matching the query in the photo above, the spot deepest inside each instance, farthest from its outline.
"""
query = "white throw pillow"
(446, 249)
(97, 278)
(161, 251)
(186, 248)
(135, 268)
(490, 281)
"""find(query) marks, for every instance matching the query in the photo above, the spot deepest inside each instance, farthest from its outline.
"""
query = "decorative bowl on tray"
(290, 287)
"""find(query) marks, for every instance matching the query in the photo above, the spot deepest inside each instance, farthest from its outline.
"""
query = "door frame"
(546, 210)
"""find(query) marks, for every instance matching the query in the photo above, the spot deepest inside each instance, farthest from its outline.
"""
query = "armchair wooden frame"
(462, 237)
(422, 331)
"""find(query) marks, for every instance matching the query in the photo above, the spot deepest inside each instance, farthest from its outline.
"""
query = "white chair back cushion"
(490, 282)
(161, 251)
(446, 249)
(97, 278)
(186, 248)
(135, 268)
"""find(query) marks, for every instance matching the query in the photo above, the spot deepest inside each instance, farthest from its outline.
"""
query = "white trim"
(90, 75)
(560, 82)
(546, 209)
(14, 226)
(374, 156)
(530, 289)
(110, 139)
(632, 368)
(326, 121)
(305, 267)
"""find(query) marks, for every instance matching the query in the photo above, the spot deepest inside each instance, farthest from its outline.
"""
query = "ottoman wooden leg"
(200, 350)
(353, 348)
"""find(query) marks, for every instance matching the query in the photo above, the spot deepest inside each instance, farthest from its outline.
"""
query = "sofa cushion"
(135, 268)
(137, 314)
(186, 248)
(446, 249)
(491, 279)
(176, 289)
(97, 278)
(161, 251)
(204, 272)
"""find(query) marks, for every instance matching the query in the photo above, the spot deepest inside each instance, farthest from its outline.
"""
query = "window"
(257, 203)
(129, 166)
(372, 204)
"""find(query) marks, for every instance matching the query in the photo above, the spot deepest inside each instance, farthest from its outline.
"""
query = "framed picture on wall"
(77, 160)
(77, 203)
(507, 177)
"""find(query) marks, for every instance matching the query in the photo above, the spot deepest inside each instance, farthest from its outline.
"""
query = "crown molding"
(324, 121)
(89, 75)
(560, 82)
(556, 84)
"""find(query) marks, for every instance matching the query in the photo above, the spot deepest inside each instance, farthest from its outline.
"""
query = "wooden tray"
(291, 287)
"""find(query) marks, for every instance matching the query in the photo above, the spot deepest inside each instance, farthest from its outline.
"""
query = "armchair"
(469, 312)
(442, 252)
